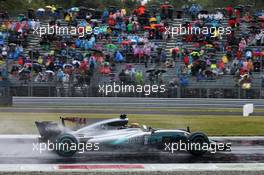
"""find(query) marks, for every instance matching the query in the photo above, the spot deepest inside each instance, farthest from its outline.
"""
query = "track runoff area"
(247, 154)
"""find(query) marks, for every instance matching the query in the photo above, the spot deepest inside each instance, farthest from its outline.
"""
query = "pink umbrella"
(261, 18)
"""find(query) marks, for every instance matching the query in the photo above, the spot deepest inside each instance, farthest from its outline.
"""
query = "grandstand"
(54, 65)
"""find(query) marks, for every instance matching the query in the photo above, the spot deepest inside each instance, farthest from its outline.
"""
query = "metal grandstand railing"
(200, 90)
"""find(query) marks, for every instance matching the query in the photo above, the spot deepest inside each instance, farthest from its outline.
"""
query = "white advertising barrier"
(248, 109)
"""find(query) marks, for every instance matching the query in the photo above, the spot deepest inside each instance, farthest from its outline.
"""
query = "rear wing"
(77, 120)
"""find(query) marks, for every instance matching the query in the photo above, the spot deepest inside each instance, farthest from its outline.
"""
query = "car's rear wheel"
(197, 143)
(66, 145)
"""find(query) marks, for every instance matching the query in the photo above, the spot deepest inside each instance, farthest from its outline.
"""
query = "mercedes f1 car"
(117, 134)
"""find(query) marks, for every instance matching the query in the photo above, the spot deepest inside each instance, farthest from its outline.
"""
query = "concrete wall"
(6, 101)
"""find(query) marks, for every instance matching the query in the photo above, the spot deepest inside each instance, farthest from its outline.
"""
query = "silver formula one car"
(112, 134)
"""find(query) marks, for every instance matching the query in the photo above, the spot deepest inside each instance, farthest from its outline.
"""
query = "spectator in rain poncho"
(139, 77)
(88, 44)
(78, 42)
(194, 10)
(92, 63)
(60, 75)
(129, 27)
(147, 50)
(1, 39)
(119, 39)
(163, 57)
(119, 57)
(184, 81)
(105, 16)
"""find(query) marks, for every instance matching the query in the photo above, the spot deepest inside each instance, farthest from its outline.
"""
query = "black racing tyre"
(66, 145)
(196, 142)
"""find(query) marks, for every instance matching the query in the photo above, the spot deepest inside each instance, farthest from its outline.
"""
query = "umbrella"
(24, 71)
(261, 18)
(152, 20)
(50, 72)
(21, 15)
(195, 53)
(76, 62)
(160, 71)
(48, 7)
(111, 46)
(166, 6)
(67, 66)
(238, 7)
(12, 44)
(147, 27)
(96, 50)
(41, 10)
(157, 25)
(83, 8)
(74, 9)
(37, 67)
(150, 70)
(91, 9)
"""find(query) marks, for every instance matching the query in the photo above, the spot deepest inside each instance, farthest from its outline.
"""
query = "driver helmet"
(134, 125)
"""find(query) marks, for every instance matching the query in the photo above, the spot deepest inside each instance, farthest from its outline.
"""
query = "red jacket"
(186, 60)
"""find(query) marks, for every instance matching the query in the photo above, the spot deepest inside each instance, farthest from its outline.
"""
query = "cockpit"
(109, 124)
(120, 123)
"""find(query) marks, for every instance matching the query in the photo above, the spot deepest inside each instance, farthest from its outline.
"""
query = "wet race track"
(21, 151)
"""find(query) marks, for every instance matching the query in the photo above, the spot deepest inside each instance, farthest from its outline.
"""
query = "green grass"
(23, 123)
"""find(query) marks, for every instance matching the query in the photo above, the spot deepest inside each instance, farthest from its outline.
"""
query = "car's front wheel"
(197, 143)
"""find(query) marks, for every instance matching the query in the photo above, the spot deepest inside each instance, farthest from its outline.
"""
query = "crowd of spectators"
(238, 53)
(118, 38)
